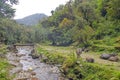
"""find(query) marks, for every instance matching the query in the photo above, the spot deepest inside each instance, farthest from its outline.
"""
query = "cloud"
(28, 7)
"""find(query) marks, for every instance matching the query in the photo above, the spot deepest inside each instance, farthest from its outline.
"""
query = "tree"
(52, 12)
(114, 9)
(6, 9)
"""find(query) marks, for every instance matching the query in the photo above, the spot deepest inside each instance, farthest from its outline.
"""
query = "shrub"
(4, 68)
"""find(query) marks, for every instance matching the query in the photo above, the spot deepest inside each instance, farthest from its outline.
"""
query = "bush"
(117, 48)
(97, 72)
(4, 68)
(3, 49)
(99, 48)
(51, 58)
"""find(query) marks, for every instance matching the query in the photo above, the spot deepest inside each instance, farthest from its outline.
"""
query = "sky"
(29, 7)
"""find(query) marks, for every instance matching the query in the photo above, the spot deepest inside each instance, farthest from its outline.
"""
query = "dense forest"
(78, 22)
(92, 24)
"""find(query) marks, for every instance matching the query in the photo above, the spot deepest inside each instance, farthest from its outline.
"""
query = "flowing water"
(25, 66)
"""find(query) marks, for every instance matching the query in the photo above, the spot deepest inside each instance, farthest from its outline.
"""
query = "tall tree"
(6, 9)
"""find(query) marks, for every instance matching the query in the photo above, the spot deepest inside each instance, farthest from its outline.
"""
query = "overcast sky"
(28, 7)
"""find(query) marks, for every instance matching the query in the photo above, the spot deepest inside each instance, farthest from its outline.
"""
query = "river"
(26, 68)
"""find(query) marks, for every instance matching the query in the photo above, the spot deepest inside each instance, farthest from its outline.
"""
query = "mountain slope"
(31, 20)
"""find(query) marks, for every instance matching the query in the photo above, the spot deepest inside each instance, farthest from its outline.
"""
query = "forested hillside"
(32, 19)
(10, 31)
(94, 23)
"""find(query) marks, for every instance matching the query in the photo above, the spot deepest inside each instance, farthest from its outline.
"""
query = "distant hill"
(31, 20)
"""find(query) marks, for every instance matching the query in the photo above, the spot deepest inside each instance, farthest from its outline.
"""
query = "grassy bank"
(78, 69)
(4, 65)
(4, 68)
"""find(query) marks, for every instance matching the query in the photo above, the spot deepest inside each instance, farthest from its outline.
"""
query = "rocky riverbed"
(26, 68)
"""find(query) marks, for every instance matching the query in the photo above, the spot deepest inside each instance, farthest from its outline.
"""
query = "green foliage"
(51, 58)
(4, 65)
(77, 69)
(3, 74)
(3, 49)
(78, 21)
(11, 32)
(6, 9)
(113, 9)
(82, 22)
(100, 72)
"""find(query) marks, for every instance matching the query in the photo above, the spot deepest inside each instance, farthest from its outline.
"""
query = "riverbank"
(4, 65)
(51, 61)
(75, 69)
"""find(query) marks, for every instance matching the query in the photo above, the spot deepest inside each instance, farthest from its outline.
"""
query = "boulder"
(105, 56)
(113, 58)
(86, 50)
(34, 78)
(61, 78)
(33, 51)
(70, 78)
(10, 47)
(34, 56)
(15, 51)
(33, 73)
(22, 79)
(91, 60)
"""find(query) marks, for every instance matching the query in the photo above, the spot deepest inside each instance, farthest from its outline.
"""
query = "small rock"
(86, 50)
(34, 78)
(16, 51)
(19, 55)
(79, 52)
(33, 73)
(105, 56)
(114, 58)
(61, 78)
(91, 60)
(16, 70)
(13, 63)
(22, 79)
(10, 47)
(33, 51)
(35, 56)
(70, 78)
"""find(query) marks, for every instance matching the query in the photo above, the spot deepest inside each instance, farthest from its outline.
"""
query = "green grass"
(3, 49)
(52, 56)
(4, 65)
(77, 69)
(97, 72)
(4, 69)
(107, 44)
